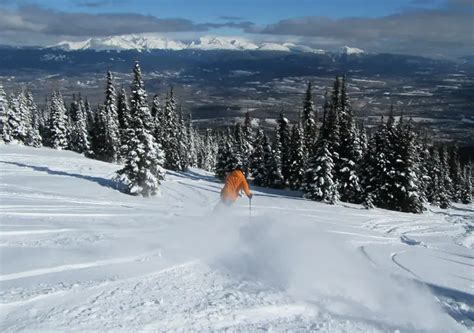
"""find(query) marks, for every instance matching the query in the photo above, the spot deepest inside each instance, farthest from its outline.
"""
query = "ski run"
(78, 255)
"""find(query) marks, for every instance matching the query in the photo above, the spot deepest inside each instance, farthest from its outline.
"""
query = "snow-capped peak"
(222, 43)
(351, 50)
(145, 42)
(124, 42)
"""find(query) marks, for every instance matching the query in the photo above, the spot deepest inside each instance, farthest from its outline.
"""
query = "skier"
(234, 183)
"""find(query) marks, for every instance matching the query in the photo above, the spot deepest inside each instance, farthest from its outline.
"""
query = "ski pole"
(250, 206)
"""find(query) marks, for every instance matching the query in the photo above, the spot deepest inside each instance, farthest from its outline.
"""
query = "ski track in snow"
(78, 255)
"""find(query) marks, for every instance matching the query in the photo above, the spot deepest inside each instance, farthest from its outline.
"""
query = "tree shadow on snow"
(193, 175)
(101, 181)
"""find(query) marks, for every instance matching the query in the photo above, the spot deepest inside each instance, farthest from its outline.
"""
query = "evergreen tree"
(143, 158)
(436, 192)
(33, 137)
(445, 179)
(407, 183)
(319, 183)
(207, 151)
(99, 144)
(74, 109)
(184, 147)
(240, 149)
(350, 154)
(79, 134)
(297, 159)
(226, 156)
(274, 177)
(58, 122)
(377, 171)
(423, 169)
(248, 140)
(284, 135)
(170, 126)
(112, 133)
(158, 119)
(332, 125)
(13, 128)
(456, 175)
(466, 191)
(308, 119)
(123, 110)
(3, 112)
(258, 159)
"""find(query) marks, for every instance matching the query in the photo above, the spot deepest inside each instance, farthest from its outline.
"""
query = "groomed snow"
(78, 255)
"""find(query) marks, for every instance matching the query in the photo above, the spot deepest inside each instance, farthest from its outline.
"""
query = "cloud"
(444, 31)
(48, 23)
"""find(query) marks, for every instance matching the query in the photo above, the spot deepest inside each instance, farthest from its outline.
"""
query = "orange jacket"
(234, 182)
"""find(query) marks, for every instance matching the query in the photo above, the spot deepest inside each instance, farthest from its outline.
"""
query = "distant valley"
(217, 85)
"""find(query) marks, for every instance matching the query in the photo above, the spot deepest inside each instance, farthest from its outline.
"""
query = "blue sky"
(426, 27)
(258, 11)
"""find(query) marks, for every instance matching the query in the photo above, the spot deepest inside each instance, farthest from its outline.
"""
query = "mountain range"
(152, 42)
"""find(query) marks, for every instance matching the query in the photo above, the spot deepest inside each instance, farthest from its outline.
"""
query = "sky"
(427, 27)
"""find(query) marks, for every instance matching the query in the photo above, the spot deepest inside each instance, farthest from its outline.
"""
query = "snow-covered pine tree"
(208, 151)
(240, 148)
(258, 158)
(433, 167)
(274, 177)
(423, 161)
(466, 192)
(436, 193)
(248, 128)
(184, 147)
(3, 112)
(332, 124)
(90, 114)
(350, 153)
(407, 196)
(248, 140)
(456, 174)
(308, 119)
(79, 134)
(298, 158)
(445, 179)
(98, 136)
(170, 126)
(226, 157)
(73, 109)
(377, 174)
(319, 177)
(112, 134)
(363, 139)
(33, 136)
(284, 135)
(12, 128)
(192, 142)
(58, 122)
(158, 119)
(143, 159)
(123, 110)
(43, 123)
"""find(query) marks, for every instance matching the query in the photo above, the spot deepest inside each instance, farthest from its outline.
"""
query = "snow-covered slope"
(125, 42)
(347, 50)
(78, 255)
